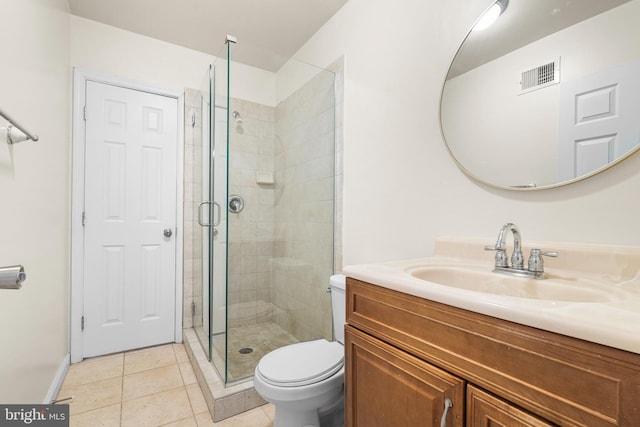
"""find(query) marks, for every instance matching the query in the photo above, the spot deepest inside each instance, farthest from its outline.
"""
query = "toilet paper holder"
(11, 277)
(15, 133)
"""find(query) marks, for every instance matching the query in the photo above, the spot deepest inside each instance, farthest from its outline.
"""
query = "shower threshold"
(223, 401)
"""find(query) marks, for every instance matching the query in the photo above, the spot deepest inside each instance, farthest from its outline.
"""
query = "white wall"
(401, 189)
(34, 196)
(106, 49)
(110, 50)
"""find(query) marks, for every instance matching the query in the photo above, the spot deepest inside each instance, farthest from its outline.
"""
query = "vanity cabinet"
(395, 388)
(405, 355)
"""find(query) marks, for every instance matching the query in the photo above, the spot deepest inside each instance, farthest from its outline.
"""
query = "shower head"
(239, 128)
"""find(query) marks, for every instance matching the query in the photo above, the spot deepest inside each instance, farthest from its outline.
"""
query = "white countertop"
(615, 271)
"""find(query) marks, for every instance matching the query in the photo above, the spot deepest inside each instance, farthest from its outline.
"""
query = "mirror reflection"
(547, 94)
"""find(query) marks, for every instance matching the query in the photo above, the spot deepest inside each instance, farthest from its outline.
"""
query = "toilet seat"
(302, 363)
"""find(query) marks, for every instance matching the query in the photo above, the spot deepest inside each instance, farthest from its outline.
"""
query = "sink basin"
(592, 291)
(552, 289)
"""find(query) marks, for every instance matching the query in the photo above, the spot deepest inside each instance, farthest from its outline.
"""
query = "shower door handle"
(207, 202)
(217, 223)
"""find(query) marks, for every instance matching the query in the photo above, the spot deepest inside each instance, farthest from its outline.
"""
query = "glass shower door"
(281, 159)
(217, 274)
(268, 201)
(214, 230)
(209, 310)
(199, 154)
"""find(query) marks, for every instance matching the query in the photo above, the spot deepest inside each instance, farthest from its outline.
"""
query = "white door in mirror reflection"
(599, 120)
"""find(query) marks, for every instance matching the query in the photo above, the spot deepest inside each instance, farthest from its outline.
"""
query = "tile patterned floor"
(150, 387)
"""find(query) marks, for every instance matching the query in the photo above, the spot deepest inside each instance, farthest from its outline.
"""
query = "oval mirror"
(546, 95)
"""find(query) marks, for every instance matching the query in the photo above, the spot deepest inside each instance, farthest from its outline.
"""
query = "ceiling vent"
(540, 76)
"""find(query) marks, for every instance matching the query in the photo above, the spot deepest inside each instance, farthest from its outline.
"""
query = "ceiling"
(268, 31)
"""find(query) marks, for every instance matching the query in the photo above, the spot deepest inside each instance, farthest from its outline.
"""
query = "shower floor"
(247, 344)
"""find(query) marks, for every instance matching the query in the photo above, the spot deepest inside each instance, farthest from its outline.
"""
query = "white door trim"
(76, 298)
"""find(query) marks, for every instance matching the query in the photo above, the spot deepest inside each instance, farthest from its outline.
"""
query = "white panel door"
(598, 120)
(130, 208)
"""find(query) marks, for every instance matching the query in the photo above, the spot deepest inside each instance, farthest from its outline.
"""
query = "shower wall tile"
(250, 231)
(304, 209)
(192, 98)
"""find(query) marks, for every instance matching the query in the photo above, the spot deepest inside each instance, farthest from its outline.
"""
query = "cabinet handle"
(448, 404)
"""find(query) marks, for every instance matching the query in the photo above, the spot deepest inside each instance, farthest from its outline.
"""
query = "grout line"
(122, 390)
(193, 412)
(122, 376)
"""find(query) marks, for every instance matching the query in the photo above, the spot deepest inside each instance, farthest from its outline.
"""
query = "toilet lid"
(302, 363)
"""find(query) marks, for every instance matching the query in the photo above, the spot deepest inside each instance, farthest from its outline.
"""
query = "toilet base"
(296, 418)
(331, 415)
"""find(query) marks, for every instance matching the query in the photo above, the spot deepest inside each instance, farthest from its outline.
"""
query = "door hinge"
(82, 323)
(84, 113)
(84, 218)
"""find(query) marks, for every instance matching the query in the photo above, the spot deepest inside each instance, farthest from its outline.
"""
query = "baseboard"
(56, 384)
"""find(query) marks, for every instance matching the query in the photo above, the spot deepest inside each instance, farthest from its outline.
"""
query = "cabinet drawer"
(565, 380)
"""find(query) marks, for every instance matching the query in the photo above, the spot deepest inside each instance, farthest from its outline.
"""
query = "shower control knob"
(236, 204)
(167, 232)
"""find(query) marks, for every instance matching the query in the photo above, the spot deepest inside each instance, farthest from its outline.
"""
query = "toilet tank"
(338, 305)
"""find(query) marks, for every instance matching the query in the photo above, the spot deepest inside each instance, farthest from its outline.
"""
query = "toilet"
(305, 381)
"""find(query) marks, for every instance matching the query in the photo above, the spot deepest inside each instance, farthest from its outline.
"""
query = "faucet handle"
(501, 255)
(536, 263)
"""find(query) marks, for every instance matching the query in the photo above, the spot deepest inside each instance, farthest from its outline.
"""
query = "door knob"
(167, 232)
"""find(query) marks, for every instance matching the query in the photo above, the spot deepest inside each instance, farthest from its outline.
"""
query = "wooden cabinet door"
(387, 387)
(486, 410)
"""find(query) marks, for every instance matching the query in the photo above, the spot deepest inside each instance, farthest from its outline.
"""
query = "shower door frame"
(212, 277)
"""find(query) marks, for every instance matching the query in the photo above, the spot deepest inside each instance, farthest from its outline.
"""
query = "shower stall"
(263, 208)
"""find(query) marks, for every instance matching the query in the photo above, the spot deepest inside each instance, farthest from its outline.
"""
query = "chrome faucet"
(535, 266)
